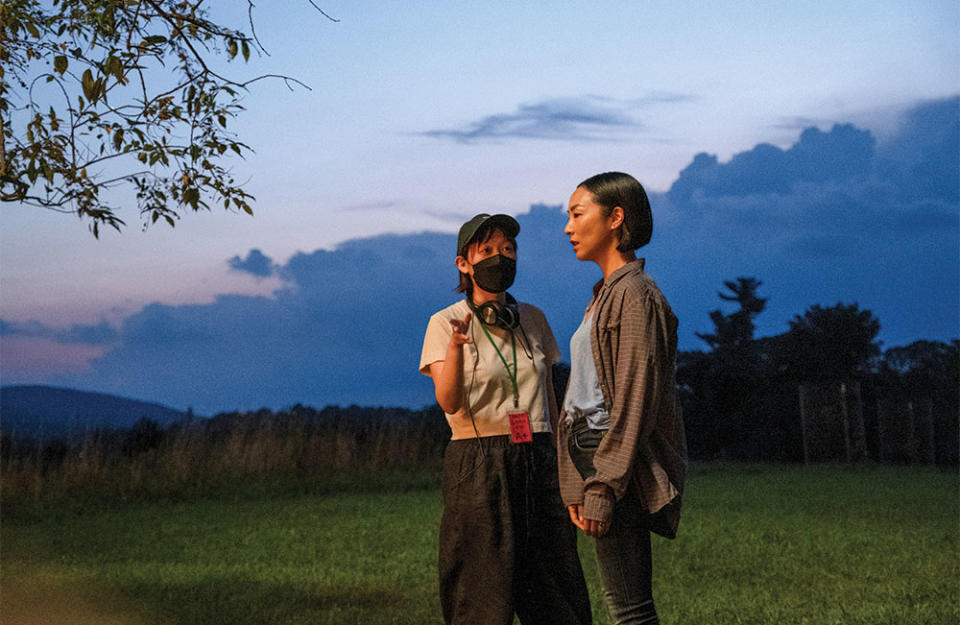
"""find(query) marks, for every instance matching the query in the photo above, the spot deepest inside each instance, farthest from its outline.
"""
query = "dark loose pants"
(506, 542)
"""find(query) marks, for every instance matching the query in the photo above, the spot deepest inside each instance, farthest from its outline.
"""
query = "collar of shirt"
(631, 267)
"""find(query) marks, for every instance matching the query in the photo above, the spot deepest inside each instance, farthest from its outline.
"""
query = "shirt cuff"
(598, 503)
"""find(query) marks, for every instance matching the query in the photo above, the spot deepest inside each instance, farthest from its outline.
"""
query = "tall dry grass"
(301, 446)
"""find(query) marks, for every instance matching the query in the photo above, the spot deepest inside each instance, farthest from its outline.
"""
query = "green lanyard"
(512, 374)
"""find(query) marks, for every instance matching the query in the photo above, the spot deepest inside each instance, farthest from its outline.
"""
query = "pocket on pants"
(582, 445)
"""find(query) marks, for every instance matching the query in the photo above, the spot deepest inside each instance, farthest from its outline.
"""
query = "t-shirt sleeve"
(549, 344)
(550, 347)
(435, 342)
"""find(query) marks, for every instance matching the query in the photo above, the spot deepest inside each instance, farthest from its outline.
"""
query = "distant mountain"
(49, 411)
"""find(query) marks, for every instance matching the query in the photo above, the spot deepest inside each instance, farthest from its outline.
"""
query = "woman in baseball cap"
(506, 546)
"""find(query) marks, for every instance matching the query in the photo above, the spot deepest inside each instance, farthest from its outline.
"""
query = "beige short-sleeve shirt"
(487, 385)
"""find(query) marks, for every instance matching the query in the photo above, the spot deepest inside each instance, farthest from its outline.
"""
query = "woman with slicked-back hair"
(621, 448)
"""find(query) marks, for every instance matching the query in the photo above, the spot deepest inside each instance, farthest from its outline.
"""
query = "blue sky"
(423, 114)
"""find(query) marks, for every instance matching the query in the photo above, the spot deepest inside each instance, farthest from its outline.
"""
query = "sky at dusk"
(811, 145)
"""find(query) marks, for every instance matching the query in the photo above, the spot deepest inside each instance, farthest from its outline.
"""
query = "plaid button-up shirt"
(634, 343)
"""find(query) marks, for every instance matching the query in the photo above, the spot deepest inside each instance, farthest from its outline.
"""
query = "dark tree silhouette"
(832, 344)
(736, 330)
(719, 387)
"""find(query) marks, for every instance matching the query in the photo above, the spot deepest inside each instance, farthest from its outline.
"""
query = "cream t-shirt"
(486, 383)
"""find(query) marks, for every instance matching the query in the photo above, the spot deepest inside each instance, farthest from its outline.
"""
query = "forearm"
(448, 381)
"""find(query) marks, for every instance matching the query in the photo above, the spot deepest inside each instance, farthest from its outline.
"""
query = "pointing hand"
(460, 328)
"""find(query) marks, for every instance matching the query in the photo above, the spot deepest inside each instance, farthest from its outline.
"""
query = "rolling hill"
(49, 411)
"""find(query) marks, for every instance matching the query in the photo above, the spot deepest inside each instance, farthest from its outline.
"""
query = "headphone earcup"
(506, 316)
(487, 313)
(509, 317)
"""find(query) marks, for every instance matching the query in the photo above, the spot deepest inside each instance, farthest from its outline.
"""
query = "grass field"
(758, 545)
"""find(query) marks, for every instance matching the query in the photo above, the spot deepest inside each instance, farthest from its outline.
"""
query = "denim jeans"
(623, 557)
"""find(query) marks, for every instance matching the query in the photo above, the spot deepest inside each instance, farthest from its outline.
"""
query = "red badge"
(520, 427)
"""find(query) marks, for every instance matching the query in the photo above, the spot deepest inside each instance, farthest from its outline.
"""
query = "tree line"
(741, 394)
(740, 398)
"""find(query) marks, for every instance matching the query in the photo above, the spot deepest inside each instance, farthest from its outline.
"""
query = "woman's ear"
(616, 217)
(462, 265)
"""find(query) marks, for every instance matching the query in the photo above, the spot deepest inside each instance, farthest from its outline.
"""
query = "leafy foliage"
(925, 369)
(833, 343)
(96, 94)
(736, 330)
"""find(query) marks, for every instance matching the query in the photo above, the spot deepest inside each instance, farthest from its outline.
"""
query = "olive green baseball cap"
(506, 223)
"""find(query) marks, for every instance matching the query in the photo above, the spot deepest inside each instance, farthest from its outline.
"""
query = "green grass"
(758, 544)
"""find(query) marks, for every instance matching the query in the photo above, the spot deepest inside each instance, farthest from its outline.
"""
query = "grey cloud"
(584, 118)
(817, 157)
(369, 206)
(99, 334)
(663, 97)
(802, 123)
(256, 264)
(835, 219)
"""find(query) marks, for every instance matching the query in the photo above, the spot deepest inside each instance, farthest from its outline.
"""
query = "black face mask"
(495, 274)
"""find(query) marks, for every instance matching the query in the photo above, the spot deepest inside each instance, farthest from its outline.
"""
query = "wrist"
(598, 502)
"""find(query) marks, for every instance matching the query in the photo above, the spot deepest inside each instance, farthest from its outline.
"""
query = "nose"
(567, 230)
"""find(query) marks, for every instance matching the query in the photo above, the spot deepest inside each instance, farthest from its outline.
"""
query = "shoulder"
(457, 310)
(440, 321)
(529, 309)
(530, 313)
(637, 290)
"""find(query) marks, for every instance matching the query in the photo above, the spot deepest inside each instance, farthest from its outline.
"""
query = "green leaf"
(232, 48)
(60, 63)
(114, 66)
(89, 86)
(246, 50)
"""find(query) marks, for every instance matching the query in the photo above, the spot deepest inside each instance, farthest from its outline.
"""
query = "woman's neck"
(614, 259)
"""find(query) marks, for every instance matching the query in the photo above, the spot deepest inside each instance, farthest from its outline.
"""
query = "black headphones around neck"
(501, 315)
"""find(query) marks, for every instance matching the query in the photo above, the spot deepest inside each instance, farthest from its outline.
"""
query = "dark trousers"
(623, 557)
(506, 543)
